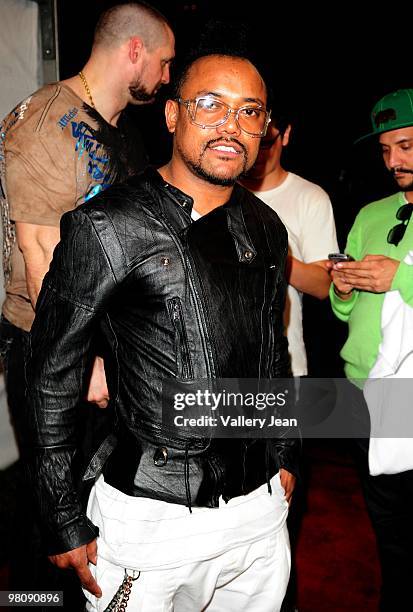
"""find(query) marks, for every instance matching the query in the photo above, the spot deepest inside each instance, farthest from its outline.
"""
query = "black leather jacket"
(171, 298)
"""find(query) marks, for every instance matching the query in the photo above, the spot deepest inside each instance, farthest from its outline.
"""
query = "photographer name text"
(228, 421)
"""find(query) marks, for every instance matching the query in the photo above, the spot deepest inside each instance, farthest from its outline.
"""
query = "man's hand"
(98, 390)
(341, 287)
(373, 273)
(78, 559)
(288, 483)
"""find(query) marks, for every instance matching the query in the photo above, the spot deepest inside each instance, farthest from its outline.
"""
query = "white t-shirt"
(306, 211)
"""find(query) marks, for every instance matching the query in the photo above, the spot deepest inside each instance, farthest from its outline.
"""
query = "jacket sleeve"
(70, 305)
(287, 444)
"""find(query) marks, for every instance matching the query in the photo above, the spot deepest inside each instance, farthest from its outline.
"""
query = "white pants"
(251, 576)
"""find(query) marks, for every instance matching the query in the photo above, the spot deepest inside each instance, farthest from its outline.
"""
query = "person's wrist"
(341, 294)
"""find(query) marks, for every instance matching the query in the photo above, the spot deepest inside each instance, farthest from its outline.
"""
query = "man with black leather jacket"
(181, 271)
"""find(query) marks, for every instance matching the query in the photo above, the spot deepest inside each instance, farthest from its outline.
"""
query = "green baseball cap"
(393, 111)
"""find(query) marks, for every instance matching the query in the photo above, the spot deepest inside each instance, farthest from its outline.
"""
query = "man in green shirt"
(379, 240)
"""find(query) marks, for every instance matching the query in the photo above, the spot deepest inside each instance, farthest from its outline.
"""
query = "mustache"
(401, 170)
(234, 140)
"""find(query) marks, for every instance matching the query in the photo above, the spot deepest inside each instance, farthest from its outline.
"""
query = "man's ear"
(171, 115)
(136, 47)
(286, 136)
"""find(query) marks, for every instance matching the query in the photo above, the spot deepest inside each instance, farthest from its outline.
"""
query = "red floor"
(336, 555)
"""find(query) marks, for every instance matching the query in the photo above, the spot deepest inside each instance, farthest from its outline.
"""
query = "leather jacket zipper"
(183, 355)
(203, 312)
(196, 290)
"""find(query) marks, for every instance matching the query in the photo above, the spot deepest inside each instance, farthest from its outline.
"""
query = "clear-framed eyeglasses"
(208, 112)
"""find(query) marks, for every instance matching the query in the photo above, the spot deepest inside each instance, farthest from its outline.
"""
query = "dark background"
(330, 64)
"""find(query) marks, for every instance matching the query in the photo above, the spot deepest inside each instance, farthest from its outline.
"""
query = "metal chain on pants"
(121, 597)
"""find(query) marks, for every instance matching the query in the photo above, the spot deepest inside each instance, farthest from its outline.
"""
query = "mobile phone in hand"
(338, 257)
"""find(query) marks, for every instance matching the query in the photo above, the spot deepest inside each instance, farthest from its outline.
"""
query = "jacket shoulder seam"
(121, 270)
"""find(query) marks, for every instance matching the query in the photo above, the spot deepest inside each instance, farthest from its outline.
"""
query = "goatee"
(212, 178)
(140, 94)
(215, 179)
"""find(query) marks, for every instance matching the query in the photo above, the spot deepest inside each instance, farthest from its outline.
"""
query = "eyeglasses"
(207, 112)
(397, 232)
